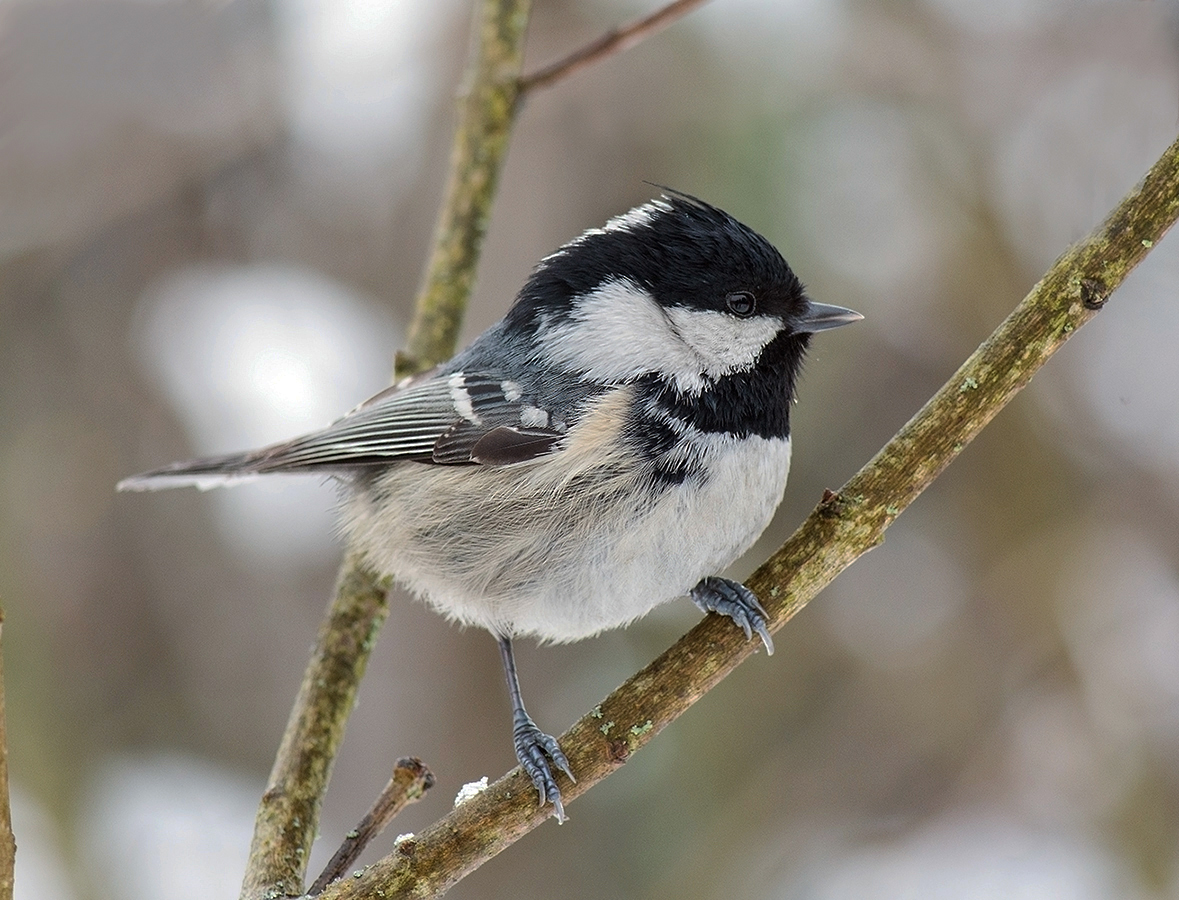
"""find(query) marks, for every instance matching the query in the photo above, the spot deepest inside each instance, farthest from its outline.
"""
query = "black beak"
(821, 316)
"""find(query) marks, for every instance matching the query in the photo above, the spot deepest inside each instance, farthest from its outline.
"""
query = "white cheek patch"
(619, 332)
(723, 343)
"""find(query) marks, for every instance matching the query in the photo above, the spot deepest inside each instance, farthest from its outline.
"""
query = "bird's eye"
(741, 303)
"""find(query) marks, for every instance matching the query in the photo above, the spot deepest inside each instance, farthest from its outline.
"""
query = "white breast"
(693, 530)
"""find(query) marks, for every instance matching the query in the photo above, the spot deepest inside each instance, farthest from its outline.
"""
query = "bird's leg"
(534, 748)
(733, 599)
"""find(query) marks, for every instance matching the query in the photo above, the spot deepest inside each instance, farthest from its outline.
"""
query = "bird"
(613, 443)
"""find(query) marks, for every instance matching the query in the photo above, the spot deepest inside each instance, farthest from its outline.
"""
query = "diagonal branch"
(844, 526)
(616, 40)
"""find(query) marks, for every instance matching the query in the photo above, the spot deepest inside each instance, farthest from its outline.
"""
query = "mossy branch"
(288, 816)
(843, 526)
(487, 109)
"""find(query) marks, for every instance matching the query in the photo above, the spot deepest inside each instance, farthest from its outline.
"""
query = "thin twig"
(843, 526)
(7, 839)
(616, 40)
(410, 781)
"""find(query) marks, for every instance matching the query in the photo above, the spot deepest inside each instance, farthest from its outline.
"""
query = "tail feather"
(210, 472)
(235, 468)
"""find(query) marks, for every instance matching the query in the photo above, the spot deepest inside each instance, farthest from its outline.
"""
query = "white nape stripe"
(637, 217)
(628, 221)
(727, 343)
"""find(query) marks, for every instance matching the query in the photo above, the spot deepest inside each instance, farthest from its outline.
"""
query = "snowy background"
(213, 217)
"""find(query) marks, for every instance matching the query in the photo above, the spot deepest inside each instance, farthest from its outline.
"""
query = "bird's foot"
(535, 750)
(733, 599)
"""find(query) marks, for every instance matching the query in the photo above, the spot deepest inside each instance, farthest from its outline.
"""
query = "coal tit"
(618, 438)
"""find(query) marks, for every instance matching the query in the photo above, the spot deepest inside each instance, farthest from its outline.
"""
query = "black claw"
(534, 750)
(733, 599)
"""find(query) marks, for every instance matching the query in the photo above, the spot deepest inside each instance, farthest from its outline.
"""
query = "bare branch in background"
(616, 40)
(844, 526)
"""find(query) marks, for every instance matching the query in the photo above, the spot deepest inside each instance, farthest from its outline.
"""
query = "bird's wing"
(447, 418)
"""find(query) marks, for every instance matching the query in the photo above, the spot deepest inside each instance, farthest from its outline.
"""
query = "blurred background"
(213, 218)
